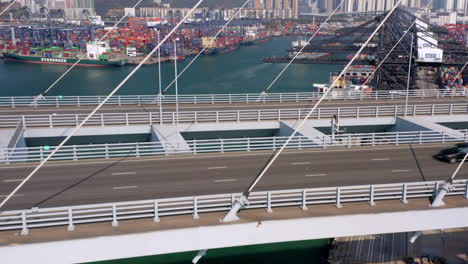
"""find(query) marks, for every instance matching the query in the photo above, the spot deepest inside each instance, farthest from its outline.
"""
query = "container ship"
(99, 54)
(219, 45)
(253, 37)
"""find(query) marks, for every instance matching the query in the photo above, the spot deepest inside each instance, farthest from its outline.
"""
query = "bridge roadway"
(6, 111)
(98, 181)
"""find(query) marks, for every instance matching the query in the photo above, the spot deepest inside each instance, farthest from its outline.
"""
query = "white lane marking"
(226, 180)
(316, 175)
(381, 159)
(260, 153)
(3, 196)
(400, 170)
(123, 173)
(124, 187)
(14, 180)
(216, 168)
(300, 163)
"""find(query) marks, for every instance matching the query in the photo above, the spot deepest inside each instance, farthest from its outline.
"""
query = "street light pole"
(409, 75)
(159, 78)
(176, 83)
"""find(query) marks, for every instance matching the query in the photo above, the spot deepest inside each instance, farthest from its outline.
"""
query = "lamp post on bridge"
(159, 79)
(176, 83)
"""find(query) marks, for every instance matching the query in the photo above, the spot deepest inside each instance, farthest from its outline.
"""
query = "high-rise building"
(278, 4)
(269, 4)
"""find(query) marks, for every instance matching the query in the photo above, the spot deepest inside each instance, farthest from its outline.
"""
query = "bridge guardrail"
(96, 151)
(221, 98)
(153, 118)
(115, 212)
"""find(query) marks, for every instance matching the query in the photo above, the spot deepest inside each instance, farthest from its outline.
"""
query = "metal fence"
(78, 152)
(115, 212)
(153, 118)
(221, 98)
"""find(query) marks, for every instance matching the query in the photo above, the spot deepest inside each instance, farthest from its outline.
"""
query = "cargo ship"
(99, 54)
(219, 45)
(253, 37)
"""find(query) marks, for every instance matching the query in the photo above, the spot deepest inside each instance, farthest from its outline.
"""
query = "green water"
(301, 252)
(239, 71)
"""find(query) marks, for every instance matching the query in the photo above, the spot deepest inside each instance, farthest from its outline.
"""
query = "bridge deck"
(11, 238)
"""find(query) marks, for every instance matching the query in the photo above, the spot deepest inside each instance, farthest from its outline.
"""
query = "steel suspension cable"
(396, 45)
(8, 7)
(41, 164)
(246, 194)
(302, 48)
(84, 55)
(206, 46)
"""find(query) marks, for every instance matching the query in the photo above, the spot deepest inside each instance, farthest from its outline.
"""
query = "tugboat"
(99, 54)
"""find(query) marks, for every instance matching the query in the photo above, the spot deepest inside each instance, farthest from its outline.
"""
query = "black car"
(453, 154)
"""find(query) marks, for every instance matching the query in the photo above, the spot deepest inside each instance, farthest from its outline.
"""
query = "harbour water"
(239, 71)
(299, 252)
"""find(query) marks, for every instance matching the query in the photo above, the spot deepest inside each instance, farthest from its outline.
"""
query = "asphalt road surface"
(126, 179)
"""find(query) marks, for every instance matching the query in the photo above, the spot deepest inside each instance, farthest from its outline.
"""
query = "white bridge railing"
(154, 118)
(95, 151)
(196, 205)
(221, 98)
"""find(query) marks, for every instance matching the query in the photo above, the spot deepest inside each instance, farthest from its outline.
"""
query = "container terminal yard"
(363, 181)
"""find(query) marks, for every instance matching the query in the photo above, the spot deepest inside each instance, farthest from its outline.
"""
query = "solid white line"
(216, 168)
(245, 154)
(300, 163)
(227, 180)
(400, 170)
(381, 159)
(316, 175)
(123, 173)
(16, 195)
(13, 180)
(124, 187)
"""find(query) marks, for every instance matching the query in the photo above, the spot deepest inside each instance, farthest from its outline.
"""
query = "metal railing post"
(50, 121)
(338, 198)
(194, 146)
(397, 138)
(269, 202)
(357, 112)
(156, 212)
(102, 119)
(373, 139)
(300, 142)
(371, 195)
(126, 119)
(106, 147)
(56, 102)
(222, 145)
(230, 98)
(274, 143)
(304, 200)
(77, 122)
(23, 119)
(404, 194)
(75, 157)
(450, 109)
(420, 137)
(114, 215)
(318, 113)
(137, 150)
(195, 208)
(151, 118)
(71, 226)
(466, 190)
(248, 144)
(377, 111)
(238, 116)
(24, 224)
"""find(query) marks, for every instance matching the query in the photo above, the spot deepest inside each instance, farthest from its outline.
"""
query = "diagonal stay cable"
(396, 45)
(8, 7)
(232, 215)
(84, 55)
(302, 48)
(100, 105)
(206, 46)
